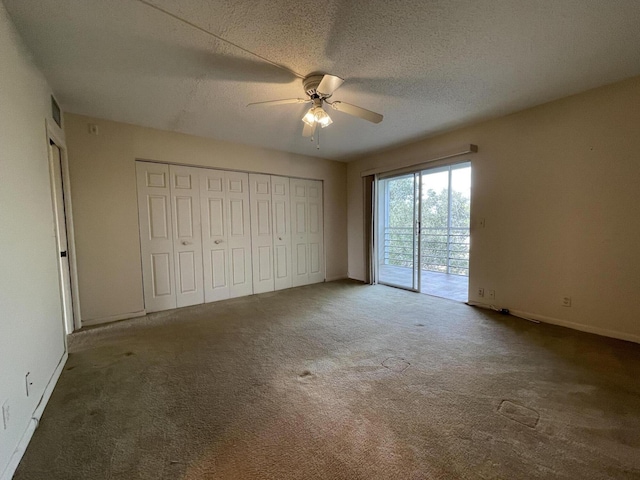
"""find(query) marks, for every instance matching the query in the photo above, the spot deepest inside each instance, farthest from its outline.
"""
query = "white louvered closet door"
(281, 208)
(261, 232)
(187, 236)
(156, 239)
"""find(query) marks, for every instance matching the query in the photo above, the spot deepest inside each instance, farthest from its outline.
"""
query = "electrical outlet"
(566, 301)
(5, 415)
(492, 294)
(481, 292)
(93, 129)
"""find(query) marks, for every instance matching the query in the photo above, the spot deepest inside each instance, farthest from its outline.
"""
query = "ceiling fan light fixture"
(309, 117)
(322, 117)
(317, 115)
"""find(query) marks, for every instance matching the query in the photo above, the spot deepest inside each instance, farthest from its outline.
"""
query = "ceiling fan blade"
(308, 130)
(357, 111)
(329, 84)
(280, 102)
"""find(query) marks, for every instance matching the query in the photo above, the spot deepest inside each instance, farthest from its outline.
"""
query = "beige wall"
(559, 187)
(104, 198)
(31, 326)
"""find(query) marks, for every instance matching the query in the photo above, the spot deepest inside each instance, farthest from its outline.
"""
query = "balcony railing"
(441, 249)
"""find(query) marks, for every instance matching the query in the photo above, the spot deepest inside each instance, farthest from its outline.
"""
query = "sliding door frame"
(417, 219)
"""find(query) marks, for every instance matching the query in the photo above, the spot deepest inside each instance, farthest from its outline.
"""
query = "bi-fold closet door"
(307, 232)
(170, 236)
(287, 232)
(194, 234)
(208, 235)
(156, 237)
(226, 234)
(187, 236)
(270, 232)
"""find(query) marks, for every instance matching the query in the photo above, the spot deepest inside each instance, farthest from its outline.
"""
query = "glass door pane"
(397, 244)
(434, 222)
(444, 231)
(460, 220)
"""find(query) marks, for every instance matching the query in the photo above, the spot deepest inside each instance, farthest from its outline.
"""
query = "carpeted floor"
(340, 381)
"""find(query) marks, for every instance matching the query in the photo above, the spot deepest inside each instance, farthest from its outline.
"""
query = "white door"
(299, 235)
(213, 202)
(55, 160)
(281, 232)
(156, 238)
(208, 235)
(315, 233)
(187, 237)
(226, 234)
(239, 228)
(261, 232)
(307, 232)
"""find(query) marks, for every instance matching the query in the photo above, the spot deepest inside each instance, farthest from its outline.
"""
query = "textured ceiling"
(426, 65)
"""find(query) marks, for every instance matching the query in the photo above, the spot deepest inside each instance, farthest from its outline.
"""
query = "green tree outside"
(434, 234)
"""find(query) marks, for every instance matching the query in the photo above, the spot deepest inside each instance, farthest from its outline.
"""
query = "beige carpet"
(340, 381)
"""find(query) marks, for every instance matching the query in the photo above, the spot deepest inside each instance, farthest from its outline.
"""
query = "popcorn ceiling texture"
(427, 66)
(340, 381)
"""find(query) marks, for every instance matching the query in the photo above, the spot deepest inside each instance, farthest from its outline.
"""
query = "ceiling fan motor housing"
(311, 84)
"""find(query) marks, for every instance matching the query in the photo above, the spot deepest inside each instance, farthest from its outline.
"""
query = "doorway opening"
(423, 231)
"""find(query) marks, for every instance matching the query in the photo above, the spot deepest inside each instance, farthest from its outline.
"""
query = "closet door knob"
(279, 238)
(217, 242)
(184, 242)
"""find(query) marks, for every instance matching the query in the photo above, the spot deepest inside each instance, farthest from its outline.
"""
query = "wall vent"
(55, 111)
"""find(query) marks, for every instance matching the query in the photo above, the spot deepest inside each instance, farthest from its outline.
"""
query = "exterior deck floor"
(453, 287)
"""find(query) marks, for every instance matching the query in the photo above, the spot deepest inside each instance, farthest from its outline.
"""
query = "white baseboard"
(565, 323)
(112, 318)
(14, 461)
(336, 277)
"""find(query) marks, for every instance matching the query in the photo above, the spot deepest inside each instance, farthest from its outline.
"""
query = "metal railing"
(444, 250)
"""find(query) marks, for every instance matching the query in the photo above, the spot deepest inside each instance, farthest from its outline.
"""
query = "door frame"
(55, 135)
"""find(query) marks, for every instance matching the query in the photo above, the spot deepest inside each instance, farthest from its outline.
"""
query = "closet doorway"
(423, 231)
(209, 235)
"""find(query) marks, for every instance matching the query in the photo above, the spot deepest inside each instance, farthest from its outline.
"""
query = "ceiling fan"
(319, 89)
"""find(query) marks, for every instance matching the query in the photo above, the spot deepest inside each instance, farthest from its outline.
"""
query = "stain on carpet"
(519, 413)
(396, 364)
(306, 376)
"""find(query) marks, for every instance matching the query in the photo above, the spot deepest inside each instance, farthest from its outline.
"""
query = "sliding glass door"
(423, 232)
(397, 233)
